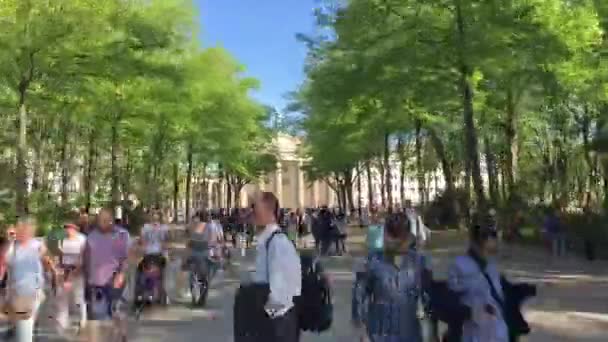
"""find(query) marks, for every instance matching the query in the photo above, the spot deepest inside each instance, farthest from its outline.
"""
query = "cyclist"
(154, 238)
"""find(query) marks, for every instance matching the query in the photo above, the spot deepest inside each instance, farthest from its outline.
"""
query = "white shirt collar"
(268, 230)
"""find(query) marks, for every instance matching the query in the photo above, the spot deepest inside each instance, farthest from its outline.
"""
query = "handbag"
(251, 322)
(18, 306)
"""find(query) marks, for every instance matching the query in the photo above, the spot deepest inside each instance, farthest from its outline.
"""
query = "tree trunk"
(382, 182)
(155, 184)
(88, 183)
(228, 194)
(338, 191)
(512, 143)
(344, 201)
(592, 180)
(401, 151)
(466, 87)
(114, 166)
(446, 166)
(491, 169)
(175, 192)
(21, 153)
(65, 163)
(370, 189)
(238, 186)
(126, 183)
(206, 193)
(348, 184)
(189, 181)
(387, 172)
(467, 193)
(39, 149)
(359, 195)
(419, 166)
(503, 183)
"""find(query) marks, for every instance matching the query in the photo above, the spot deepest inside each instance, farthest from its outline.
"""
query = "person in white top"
(25, 261)
(277, 263)
(154, 236)
(154, 240)
(418, 229)
(72, 285)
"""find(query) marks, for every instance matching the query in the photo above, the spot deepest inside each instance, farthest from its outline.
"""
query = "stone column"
(278, 182)
(222, 199)
(209, 197)
(330, 196)
(300, 186)
(315, 194)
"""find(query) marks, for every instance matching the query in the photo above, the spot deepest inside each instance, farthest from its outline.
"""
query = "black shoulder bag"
(251, 322)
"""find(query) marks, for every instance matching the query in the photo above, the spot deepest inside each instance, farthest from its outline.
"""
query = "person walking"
(325, 230)
(419, 230)
(292, 227)
(106, 258)
(340, 233)
(25, 263)
(475, 275)
(387, 295)
(279, 278)
(375, 234)
(554, 229)
(70, 289)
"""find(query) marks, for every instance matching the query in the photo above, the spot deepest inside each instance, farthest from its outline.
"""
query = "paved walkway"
(572, 304)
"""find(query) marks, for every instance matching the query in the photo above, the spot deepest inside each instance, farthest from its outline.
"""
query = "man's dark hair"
(397, 226)
(480, 234)
(273, 202)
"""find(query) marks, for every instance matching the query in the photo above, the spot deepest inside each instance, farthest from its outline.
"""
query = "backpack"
(314, 306)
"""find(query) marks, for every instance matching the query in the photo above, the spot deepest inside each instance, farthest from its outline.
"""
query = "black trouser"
(150, 259)
(340, 245)
(286, 327)
(280, 329)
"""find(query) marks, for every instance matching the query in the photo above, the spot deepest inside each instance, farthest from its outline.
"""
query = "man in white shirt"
(277, 264)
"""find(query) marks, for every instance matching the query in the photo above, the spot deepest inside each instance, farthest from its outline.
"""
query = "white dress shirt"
(284, 274)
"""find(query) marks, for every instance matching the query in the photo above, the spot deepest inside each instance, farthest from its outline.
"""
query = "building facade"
(287, 182)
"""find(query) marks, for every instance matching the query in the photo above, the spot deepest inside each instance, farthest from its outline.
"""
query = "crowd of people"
(395, 295)
(88, 271)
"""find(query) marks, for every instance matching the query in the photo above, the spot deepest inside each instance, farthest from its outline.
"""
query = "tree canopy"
(508, 96)
(102, 100)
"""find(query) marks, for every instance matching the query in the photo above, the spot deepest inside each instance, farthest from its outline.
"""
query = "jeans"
(558, 244)
(24, 329)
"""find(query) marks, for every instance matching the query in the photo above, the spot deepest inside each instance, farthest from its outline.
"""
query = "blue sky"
(261, 35)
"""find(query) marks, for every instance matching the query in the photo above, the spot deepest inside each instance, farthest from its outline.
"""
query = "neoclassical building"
(293, 190)
(287, 182)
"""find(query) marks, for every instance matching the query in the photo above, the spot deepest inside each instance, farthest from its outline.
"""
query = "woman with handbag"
(25, 263)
